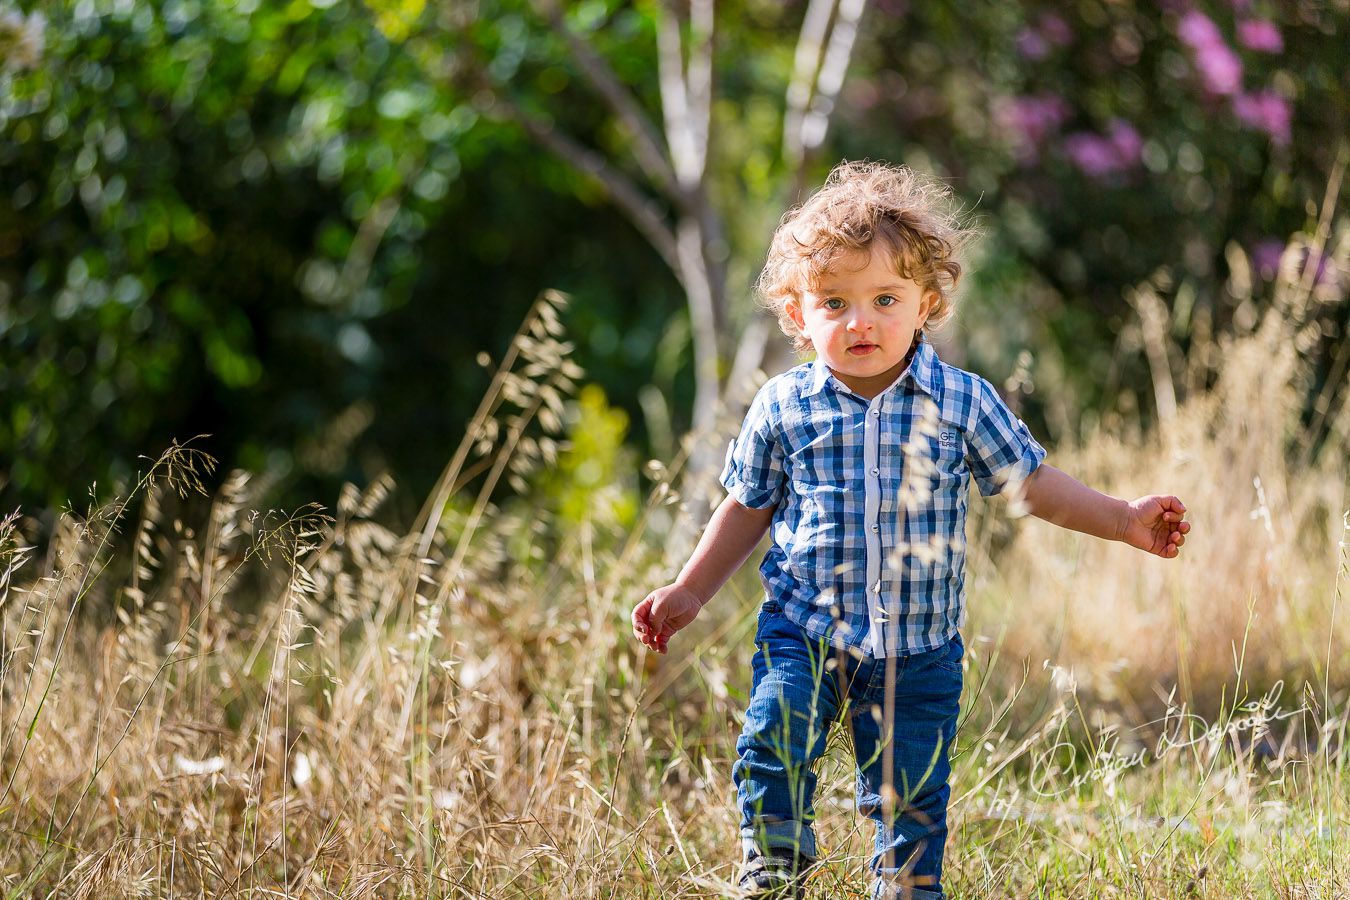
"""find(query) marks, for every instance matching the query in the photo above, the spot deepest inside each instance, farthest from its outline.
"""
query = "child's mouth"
(861, 349)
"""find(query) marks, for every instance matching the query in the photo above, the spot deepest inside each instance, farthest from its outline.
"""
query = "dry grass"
(303, 705)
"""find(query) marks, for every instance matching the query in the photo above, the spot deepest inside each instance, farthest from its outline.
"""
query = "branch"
(675, 100)
(1154, 319)
(832, 72)
(704, 318)
(749, 357)
(371, 231)
(699, 80)
(650, 152)
(644, 213)
(806, 63)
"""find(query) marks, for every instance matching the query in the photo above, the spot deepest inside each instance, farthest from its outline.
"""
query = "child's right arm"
(732, 533)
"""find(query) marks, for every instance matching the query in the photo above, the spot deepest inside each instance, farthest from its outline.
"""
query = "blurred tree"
(1100, 142)
(192, 197)
(728, 150)
(254, 222)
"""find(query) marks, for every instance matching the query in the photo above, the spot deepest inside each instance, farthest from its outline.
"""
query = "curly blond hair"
(862, 202)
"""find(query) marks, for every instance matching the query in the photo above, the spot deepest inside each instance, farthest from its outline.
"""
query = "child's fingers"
(1172, 548)
(640, 615)
(650, 642)
(643, 626)
(656, 619)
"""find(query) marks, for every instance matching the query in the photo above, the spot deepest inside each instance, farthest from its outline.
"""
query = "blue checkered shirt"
(868, 533)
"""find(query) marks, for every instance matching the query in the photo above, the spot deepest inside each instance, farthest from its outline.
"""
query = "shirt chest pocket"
(934, 475)
(949, 460)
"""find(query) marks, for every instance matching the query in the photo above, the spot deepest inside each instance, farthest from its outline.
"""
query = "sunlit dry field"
(203, 699)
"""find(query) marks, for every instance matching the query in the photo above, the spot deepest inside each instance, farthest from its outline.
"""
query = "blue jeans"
(793, 701)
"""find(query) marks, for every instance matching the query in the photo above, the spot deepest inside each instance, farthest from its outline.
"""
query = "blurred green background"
(296, 226)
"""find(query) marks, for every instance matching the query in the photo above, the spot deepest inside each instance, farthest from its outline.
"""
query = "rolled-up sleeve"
(1000, 451)
(753, 473)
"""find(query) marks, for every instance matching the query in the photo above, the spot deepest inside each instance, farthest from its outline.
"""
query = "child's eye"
(886, 300)
(833, 303)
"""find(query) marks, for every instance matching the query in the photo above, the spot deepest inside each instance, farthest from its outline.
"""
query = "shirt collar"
(922, 370)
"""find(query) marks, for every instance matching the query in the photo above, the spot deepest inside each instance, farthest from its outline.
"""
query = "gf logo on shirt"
(947, 439)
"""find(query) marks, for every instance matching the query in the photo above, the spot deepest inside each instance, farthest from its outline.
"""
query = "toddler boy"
(858, 465)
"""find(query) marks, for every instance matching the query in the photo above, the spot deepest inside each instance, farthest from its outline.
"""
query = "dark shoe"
(775, 875)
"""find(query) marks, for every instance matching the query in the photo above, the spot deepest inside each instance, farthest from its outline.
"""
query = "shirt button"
(877, 589)
(876, 471)
(876, 413)
(876, 527)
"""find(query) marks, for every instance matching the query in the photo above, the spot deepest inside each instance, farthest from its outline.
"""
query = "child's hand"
(1155, 524)
(664, 611)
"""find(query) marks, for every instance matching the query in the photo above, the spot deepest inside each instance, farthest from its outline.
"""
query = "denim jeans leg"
(792, 704)
(908, 856)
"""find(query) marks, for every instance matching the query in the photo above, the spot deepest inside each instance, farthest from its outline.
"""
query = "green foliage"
(294, 225)
(170, 175)
(595, 479)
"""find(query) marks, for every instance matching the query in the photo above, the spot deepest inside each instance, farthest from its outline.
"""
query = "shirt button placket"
(872, 515)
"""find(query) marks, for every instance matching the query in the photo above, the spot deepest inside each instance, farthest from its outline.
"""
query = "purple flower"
(1326, 272)
(1055, 30)
(1097, 156)
(1266, 255)
(1125, 139)
(1260, 35)
(1198, 31)
(1267, 252)
(1093, 154)
(1220, 69)
(1031, 45)
(1030, 120)
(1034, 42)
(1265, 111)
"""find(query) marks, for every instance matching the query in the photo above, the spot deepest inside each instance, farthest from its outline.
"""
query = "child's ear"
(926, 306)
(794, 311)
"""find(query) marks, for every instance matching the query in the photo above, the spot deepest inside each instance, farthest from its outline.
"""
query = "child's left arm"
(1153, 523)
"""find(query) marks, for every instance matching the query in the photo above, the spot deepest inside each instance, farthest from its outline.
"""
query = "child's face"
(862, 318)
